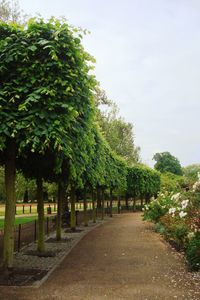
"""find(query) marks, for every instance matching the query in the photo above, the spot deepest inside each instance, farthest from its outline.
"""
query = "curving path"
(122, 259)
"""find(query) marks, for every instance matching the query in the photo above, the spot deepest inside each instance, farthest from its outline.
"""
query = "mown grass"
(21, 220)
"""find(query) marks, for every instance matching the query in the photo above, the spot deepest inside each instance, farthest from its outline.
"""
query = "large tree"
(165, 162)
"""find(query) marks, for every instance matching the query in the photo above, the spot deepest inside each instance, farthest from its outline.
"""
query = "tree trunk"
(147, 199)
(10, 170)
(126, 200)
(65, 204)
(99, 204)
(93, 206)
(40, 201)
(111, 200)
(119, 205)
(103, 205)
(134, 204)
(73, 212)
(61, 196)
(85, 209)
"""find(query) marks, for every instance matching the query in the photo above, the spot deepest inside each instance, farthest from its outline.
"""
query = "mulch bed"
(63, 240)
(76, 230)
(21, 277)
(41, 254)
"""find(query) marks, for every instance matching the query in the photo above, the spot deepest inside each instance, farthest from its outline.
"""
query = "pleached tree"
(45, 84)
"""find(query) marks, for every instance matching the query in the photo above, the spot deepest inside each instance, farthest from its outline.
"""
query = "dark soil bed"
(21, 277)
(63, 240)
(174, 245)
(41, 254)
(76, 230)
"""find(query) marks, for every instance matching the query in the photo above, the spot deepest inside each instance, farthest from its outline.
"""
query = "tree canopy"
(11, 12)
(117, 132)
(142, 182)
(45, 98)
(165, 162)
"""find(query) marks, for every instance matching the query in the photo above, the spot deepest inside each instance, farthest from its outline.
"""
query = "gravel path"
(121, 259)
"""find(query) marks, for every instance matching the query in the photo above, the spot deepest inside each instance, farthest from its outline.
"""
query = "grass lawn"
(22, 220)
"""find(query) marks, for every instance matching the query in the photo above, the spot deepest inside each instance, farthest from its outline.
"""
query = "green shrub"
(159, 228)
(179, 234)
(158, 207)
(193, 253)
(155, 212)
(171, 182)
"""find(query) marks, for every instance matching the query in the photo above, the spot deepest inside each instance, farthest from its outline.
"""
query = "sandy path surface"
(122, 259)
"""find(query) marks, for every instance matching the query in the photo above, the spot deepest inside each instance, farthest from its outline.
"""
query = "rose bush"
(177, 217)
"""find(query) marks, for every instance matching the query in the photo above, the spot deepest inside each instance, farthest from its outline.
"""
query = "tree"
(45, 90)
(11, 12)
(142, 182)
(119, 135)
(165, 162)
(117, 132)
(171, 182)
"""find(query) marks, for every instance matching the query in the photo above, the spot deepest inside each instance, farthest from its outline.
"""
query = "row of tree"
(47, 111)
(142, 183)
(48, 120)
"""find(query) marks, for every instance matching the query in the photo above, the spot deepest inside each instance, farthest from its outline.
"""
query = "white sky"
(148, 62)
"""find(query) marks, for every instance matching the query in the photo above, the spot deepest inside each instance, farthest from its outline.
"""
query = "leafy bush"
(155, 212)
(171, 182)
(193, 253)
(160, 228)
(158, 207)
(179, 234)
(177, 217)
(176, 229)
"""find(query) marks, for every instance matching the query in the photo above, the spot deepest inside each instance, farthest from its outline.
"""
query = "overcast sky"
(148, 62)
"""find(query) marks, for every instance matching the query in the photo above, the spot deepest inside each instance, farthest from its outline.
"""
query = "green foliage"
(51, 189)
(177, 216)
(179, 233)
(158, 207)
(155, 212)
(116, 173)
(191, 173)
(142, 182)
(103, 168)
(46, 104)
(37, 106)
(22, 185)
(165, 162)
(159, 228)
(117, 132)
(171, 182)
(193, 253)
(101, 99)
